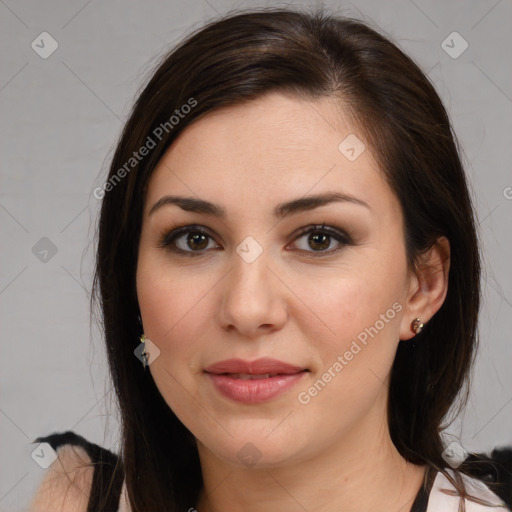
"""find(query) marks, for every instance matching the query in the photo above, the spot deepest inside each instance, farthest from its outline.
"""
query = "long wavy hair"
(394, 105)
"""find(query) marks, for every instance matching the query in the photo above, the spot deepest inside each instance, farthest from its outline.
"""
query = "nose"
(253, 298)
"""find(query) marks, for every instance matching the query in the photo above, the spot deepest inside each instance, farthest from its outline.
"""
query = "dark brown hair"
(405, 125)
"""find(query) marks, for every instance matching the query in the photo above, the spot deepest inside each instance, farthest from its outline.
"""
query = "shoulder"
(445, 498)
(67, 482)
(78, 467)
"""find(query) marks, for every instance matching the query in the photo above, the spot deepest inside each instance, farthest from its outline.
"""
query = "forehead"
(269, 149)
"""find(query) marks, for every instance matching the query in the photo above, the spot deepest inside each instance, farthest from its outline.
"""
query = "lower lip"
(254, 391)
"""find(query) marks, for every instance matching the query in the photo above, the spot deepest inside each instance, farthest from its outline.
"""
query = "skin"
(333, 453)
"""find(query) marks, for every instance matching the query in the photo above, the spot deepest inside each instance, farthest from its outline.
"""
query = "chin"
(257, 450)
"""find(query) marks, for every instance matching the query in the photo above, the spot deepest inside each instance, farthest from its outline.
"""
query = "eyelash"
(168, 238)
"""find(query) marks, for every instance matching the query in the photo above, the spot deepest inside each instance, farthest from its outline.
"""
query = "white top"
(441, 502)
(437, 502)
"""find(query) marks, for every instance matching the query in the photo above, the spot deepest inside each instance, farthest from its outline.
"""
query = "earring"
(416, 326)
(144, 354)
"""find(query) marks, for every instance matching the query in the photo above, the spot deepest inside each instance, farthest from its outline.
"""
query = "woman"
(287, 228)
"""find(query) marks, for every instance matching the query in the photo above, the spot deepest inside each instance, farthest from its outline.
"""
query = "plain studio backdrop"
(70, 72)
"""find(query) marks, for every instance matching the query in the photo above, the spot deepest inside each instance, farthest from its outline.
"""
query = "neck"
(362, 472)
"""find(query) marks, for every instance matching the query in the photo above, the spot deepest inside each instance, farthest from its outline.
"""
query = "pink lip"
(254, 391)
(257, 367)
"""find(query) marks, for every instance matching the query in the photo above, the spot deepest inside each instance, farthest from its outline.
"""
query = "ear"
(428, 286)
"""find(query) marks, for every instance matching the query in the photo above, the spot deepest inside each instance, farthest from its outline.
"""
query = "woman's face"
(258, 282)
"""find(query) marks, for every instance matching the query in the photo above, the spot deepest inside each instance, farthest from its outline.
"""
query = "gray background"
(60, 119)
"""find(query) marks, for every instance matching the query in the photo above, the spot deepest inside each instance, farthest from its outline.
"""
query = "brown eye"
(187, 240)
(319, 241)
(319, 238)
(197, 240)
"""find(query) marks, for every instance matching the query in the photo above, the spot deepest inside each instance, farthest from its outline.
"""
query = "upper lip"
(258, 367)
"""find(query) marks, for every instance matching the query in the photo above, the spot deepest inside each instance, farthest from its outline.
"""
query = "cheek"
(357, 332)
(174, 312)
(349, 301)
(174, 309)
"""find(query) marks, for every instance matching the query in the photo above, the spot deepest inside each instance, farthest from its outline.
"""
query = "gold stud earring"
(416, 326)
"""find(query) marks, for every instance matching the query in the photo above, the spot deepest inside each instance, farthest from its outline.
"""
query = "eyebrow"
(192, 204)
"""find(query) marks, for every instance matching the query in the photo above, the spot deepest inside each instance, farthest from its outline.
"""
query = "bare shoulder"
(66, 484)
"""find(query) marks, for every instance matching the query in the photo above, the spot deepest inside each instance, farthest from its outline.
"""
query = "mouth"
(262, 368)
(254, 382)
(249, 376)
